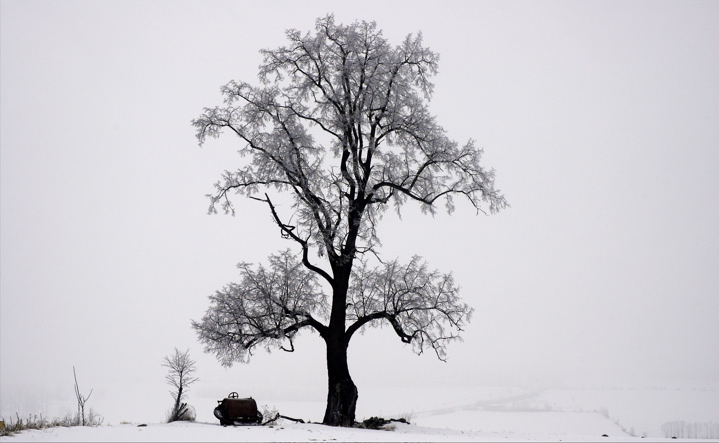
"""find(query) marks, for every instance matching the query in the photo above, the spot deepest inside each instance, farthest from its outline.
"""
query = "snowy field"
(446, 414)
(286, 432)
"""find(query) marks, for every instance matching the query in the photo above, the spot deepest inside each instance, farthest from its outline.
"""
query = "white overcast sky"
(601, 119)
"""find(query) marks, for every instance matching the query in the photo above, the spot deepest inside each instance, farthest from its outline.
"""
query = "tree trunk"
(341, 390)
(176, 407)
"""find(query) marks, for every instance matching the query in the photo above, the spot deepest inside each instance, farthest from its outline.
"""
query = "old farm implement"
(237, 411)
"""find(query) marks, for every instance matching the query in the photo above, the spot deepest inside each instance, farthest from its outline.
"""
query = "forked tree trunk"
(341, 390)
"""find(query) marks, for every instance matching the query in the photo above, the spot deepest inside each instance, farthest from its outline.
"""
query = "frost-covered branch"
(288, 232)
(422, 306)
(370, 100)
(267, 308)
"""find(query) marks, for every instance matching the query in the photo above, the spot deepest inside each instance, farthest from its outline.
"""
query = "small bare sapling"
(180, 376)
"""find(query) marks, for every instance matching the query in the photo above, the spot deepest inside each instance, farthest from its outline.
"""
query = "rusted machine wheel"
(218, 413)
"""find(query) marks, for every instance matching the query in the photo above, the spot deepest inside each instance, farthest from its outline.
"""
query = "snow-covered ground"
(178, 432)
(439, 414)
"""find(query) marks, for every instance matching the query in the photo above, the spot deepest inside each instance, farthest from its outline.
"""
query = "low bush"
(35, 421)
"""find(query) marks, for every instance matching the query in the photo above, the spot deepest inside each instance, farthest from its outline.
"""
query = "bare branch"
(288, 231)
(267, 308)
(422, 306)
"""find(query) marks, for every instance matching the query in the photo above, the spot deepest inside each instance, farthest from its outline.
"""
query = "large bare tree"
(341, 125)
